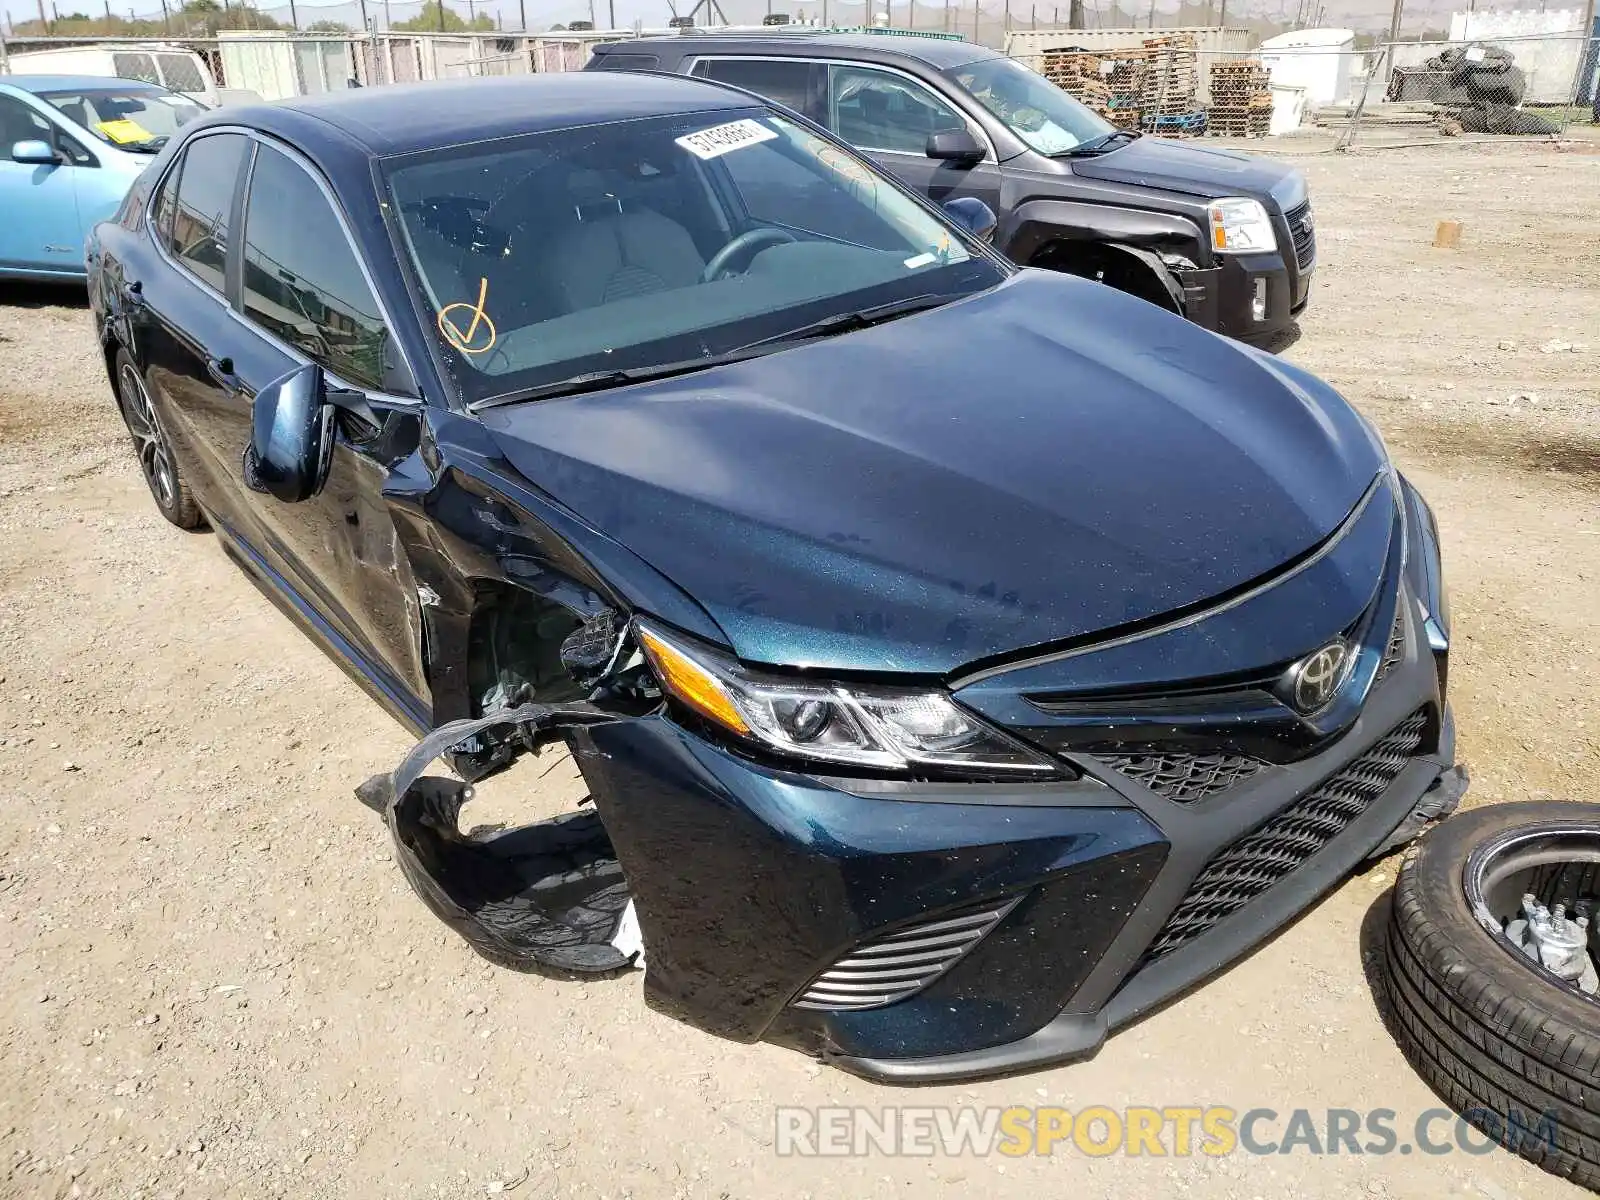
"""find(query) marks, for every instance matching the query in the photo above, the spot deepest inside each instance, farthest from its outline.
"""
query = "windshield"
(635, 244)
(1032, 107)
(130, 118)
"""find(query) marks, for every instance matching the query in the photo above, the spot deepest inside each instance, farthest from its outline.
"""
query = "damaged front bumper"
(912, 931)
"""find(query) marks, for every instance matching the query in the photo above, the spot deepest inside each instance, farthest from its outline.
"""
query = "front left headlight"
(1240, 225)
(884, 729)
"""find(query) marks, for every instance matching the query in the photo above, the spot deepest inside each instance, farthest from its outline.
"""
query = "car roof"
(936, 52)
(423, 116)
(64, 83)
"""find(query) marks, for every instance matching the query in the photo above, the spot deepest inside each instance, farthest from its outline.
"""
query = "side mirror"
(34, 151)
(291, 437)
(955, 145)
(973, 215)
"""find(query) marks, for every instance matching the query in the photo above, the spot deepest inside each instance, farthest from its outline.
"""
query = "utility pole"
(440, 3)
(1394, 23)
(166, 19)
(976, 9)
(522, 10)
(1074, 15)
(44, 21)
(612, 4)
(1005, 19)
(947, 16)
(1222, 17)
(294, 17)
(591, 14)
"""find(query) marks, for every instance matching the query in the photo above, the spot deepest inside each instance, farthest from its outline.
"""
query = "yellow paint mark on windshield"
(481, 330)
(125, 132)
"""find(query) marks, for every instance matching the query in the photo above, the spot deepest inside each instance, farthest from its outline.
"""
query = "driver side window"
(20, 123)
(302, 281)
(879, 110)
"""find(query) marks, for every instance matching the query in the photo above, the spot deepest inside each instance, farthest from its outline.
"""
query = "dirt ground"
(214, 981)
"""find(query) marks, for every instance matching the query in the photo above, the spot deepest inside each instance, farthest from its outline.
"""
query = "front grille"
(1266, 855)
(1303, 233)
(1185, 778)
(1396, 648)
(898, 964)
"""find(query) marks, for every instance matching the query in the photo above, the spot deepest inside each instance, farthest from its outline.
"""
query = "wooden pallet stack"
(1126, 79)
(1241, 101)
(1080, 75)
(1168, 101)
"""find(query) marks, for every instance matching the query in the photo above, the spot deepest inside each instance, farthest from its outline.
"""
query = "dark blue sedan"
(963, 659)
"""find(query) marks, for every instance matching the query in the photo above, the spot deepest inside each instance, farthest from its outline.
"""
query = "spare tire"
(1511, 1046)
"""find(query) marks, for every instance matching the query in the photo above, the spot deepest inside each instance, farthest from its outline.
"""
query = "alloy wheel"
(1537, 892)
(155, 458)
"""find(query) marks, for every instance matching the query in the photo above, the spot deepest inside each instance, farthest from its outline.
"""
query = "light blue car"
(70, 146)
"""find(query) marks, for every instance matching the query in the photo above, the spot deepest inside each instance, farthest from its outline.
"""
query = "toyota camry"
(963, 659)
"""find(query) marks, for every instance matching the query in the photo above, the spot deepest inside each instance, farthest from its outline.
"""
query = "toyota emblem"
(1316, 677)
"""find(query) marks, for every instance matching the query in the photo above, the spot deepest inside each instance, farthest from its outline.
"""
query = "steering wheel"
(760, 235)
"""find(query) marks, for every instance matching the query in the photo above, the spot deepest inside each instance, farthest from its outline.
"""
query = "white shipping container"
(1322, 61)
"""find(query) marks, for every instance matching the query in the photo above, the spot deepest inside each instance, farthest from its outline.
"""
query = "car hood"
(1038, 463)
(1196, 171)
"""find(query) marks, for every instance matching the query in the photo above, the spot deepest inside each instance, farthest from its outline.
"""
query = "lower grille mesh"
(896, 965)
(1266, 855)
(1185, 778)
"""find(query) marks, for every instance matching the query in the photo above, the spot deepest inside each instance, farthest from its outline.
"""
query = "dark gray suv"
(1224, 238)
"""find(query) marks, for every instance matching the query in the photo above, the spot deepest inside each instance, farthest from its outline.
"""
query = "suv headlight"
(1241, 226)
(886, 729)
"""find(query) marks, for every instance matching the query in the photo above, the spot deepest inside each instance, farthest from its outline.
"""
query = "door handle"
(133, 293)
(221, 372)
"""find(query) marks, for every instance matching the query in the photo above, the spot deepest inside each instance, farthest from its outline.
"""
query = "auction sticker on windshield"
(123, 131)
(719, 139)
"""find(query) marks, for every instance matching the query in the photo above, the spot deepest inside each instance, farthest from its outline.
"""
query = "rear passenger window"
(204, 205)
(789, 83)
(178, 72)
(164, 205)
(302, 281)
(135, 66)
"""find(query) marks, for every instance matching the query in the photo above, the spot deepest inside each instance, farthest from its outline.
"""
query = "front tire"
(152, 448)
(1514, 1050)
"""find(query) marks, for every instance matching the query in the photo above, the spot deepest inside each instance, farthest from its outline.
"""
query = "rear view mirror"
(973, 215)
(291, 436)
(33, 151)
(955, 145)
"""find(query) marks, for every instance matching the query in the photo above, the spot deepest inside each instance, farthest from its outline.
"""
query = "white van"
(173, 67)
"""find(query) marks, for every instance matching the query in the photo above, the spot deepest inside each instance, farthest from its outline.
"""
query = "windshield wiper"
(859, 319)
(1099, 145)
(599, 381)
